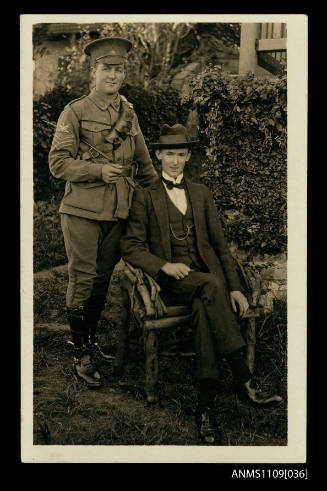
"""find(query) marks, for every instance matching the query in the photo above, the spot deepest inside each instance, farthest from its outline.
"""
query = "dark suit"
(147, 245)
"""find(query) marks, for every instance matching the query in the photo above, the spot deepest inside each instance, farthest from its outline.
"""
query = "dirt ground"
(68, 413)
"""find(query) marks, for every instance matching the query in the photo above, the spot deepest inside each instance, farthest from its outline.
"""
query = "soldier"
(99, 189)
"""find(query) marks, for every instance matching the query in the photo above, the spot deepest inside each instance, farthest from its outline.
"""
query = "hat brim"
(112, 60)
(157, 145)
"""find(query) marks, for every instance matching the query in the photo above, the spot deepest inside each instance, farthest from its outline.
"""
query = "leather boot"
(85, 368)
(93, 308)
(83, 365)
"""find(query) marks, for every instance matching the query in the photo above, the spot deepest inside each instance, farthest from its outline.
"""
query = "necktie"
(171, 185)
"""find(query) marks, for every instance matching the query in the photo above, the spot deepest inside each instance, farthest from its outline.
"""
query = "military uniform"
(92, 132)
(87, 196)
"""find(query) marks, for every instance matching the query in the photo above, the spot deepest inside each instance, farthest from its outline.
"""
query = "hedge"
(243, 128)
(48, 243)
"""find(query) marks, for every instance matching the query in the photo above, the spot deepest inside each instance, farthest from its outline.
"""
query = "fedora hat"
(112, 51)
(173, 137)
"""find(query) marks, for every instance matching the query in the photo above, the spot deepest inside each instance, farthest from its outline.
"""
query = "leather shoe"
(250, 392)
(207, 430)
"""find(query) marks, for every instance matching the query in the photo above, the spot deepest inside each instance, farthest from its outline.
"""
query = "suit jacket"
(146, 244)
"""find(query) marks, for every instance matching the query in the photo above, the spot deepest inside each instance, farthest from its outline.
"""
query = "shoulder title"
(75, 100)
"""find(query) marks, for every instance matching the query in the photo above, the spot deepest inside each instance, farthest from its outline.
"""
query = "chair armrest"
(250, 279)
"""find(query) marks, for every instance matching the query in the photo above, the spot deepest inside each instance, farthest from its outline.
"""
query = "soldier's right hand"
(176, 270)
(111, 172)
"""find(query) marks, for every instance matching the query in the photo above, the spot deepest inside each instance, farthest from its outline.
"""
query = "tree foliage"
(158, 47)
(243, 127)
(154, 44)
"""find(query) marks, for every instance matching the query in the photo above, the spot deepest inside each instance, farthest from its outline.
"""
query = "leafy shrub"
(47, 107)
(243, 125)
(154, 107)
(49, 248)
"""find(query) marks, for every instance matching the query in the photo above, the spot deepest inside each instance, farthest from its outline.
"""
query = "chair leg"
(250, 343)
(151, 365)
(123, 335)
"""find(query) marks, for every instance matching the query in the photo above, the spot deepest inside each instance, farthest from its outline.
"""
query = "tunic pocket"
(87, 196)
(95, 132)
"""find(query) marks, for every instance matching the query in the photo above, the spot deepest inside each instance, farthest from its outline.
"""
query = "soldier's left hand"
(238, 299)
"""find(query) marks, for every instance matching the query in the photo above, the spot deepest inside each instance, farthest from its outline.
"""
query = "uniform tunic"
(86, 195)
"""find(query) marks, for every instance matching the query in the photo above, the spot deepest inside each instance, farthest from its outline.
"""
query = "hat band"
(114, 59)
(172, 139)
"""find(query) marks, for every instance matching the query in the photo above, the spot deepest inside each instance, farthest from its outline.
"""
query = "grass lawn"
(68, 413)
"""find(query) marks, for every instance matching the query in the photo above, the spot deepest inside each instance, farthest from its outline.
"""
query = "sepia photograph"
(161, 202)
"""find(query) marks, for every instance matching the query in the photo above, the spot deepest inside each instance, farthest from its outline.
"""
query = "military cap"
(173, 137)
(112, 51)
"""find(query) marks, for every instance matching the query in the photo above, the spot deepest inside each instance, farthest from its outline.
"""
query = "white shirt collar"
(178, 179)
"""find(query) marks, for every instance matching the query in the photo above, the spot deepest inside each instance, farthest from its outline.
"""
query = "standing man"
(99, 189)
(175, 235)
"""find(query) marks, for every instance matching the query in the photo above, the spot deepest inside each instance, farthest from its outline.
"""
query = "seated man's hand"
(111, 172)
(237, 298)
(176, 270)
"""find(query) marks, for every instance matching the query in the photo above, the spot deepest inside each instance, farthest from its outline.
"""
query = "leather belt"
(127, 172)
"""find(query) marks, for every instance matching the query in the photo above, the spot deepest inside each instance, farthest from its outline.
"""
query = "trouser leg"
(239, 368)
(107, 258)
(215, 298)
(230, 344)
(81, 241)
(213, 293)
(206, 363)
(81, 238)
(108, 255)
(93, 251)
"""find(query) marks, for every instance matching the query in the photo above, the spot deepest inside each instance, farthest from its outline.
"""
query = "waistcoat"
(182, 227)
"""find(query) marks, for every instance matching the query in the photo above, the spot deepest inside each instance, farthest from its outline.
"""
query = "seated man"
(174, 234)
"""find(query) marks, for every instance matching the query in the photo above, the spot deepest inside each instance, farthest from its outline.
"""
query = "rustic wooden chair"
(141, 299)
